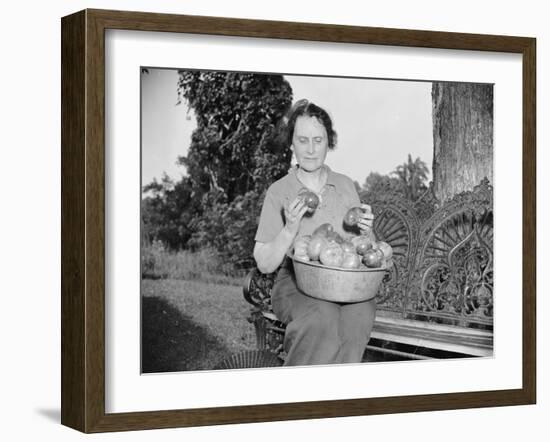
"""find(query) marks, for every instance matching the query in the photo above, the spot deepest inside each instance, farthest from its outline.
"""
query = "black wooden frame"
(83, 220)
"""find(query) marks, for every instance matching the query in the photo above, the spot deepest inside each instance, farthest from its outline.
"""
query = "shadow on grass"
(171, 341)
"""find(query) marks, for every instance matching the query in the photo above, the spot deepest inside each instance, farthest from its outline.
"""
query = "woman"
(318, 332)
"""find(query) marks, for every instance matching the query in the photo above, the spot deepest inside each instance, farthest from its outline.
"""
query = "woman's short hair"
(306, 108)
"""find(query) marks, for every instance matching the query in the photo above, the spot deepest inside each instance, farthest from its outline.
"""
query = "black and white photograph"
(294, 220)
(275, 221)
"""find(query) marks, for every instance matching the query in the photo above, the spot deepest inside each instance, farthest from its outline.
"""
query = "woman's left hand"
(366, 218)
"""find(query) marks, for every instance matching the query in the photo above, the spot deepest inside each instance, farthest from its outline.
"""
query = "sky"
(378, 122)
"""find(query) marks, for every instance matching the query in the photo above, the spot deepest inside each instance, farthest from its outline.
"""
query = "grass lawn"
(192, 325)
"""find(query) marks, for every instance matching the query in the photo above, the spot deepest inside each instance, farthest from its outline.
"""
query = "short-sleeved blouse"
(337, 197)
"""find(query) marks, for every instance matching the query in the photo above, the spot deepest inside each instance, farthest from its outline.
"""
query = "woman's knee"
(358, 321)
(322, 317)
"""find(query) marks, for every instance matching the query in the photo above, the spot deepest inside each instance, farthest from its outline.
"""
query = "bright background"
(30, 258)
(378, 122)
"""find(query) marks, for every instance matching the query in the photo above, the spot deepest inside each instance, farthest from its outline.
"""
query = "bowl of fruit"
(339, 268)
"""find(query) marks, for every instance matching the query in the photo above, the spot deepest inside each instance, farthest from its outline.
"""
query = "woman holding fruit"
(318, 331)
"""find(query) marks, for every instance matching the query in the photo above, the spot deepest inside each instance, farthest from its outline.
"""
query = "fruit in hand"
(373, 258)
(352, 216)
(323, 230)
(332, 255)
(310, 199)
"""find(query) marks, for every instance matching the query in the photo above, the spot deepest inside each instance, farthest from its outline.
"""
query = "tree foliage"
(168, 211)
(409, 180)
(376, 182)
(236, 152)
(235, 147)
(413, 176)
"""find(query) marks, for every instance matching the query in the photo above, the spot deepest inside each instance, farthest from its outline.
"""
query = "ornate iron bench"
(437, 301)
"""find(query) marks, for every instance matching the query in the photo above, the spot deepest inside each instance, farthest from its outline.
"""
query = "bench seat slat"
(436, 336)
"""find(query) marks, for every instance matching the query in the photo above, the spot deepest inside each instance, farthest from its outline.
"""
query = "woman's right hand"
(269, 255)
(294, 213)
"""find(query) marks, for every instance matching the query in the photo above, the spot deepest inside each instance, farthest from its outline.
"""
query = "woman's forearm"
(270, 255)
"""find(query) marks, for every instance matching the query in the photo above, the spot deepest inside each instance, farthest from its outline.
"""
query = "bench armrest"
(247, 288)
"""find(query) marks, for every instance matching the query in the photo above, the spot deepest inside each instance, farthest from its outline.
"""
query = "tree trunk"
(463, 137)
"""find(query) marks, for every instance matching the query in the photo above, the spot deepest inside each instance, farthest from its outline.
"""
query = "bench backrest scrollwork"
(444, 267)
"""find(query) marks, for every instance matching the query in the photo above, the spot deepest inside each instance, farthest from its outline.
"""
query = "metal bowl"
(336, 284)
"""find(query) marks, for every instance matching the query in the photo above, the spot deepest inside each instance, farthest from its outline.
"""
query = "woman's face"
(309, 143)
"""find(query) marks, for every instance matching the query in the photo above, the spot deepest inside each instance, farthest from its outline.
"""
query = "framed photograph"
(267, 221)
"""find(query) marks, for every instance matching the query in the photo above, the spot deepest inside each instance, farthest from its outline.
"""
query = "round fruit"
(323, 229)
(373, 258)
(300, 245)
(335, 237)
(332, 255)
(300, 249)
(352, 216)
(385, 248)
(348, 247)
(315, 246)
(351, 261)
(304, 258)
(310, 199)
(363, 243)
(302, 241)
